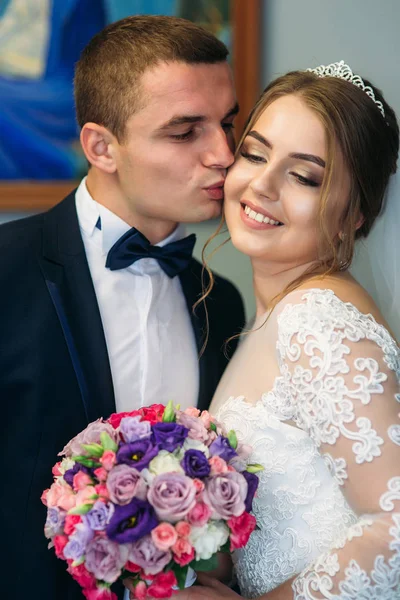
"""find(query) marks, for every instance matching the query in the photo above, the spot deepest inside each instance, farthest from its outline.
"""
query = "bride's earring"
(343, 260)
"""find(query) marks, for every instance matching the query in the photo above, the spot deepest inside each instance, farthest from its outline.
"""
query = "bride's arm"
(342, 372)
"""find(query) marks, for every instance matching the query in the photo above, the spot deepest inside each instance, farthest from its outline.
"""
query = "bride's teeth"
(259, 217)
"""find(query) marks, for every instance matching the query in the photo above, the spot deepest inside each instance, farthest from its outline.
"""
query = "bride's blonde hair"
(369, 144)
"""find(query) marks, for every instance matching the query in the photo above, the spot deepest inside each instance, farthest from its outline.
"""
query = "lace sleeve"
(342, 373)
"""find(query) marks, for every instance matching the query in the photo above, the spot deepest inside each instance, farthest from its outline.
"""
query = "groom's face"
(172, 163)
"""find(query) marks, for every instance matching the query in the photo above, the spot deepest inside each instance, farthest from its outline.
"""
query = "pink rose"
(162, 585)
(82, 576)
(108, 460)
(81, 480)
(43, 497)
(125, 483)
(60, 541)
(140, 591)
(226, 494)
(164, 536)
(172, 495)
(67, 499)
(84, 496)
(89, 435)
(183, 552)
(197, 431)
(199, 485)
(101, 474)
(192, 411)
(183, 529)
(200, 514)
(206, 418)
(218, 465)
(53, 494)
(102, 491)
(56, 470)
(71, 521)
(103, 593)
(241, 528)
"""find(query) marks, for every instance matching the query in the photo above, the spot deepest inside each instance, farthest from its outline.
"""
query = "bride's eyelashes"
(301, 179)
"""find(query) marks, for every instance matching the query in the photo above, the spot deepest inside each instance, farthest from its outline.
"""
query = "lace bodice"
(328, 435)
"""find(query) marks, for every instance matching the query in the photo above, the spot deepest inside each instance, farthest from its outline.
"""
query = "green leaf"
(213, 427)
(82, 509)
(87, 462)
(78, 562)
(94, 449)
(180, 574)
(232, 439)
(169, 413)
(254, 468)
(107, 442)
(205, 565)
(226, 547)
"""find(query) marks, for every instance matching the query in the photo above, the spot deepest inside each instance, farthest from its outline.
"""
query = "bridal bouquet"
(149, 495)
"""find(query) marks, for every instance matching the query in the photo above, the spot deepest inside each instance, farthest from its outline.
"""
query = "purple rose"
(172, 495)
(145, 554)
(54, 522)
(78, 542)
(195, 425)
(131, 521)
(137, 454)
(132, 429)
(252, 485)
(221, 447)
(124, 483)
(195, 464)
(69, 475)
(89, 435)
(226, 494)
(99, 515)
(105, 559)
(169, 436)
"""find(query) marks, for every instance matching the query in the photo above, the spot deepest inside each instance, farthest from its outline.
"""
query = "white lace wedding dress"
(319, 403)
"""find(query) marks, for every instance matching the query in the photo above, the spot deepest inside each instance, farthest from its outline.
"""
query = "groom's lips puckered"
(216, 191)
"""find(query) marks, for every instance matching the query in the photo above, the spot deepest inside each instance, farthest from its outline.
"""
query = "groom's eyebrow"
(299, 155)
(191, 119)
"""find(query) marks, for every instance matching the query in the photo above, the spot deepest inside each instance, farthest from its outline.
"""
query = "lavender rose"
(172, 495)
(132, 429)
(196, 427)
(131, 521)
(252, 484)
(105, 559)
(54, 522)
(169, 436)
(124, 483)
(78, 542)
(99, 515)
(145, 554)
(226, 494)
(137, 454)
(221, 447)
(89, 435)
(195, 464)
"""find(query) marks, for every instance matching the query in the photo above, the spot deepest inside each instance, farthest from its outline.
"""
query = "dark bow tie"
(173, 258)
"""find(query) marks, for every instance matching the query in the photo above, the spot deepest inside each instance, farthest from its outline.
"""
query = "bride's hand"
(209, 589)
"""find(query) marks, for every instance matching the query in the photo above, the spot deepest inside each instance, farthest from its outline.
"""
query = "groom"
(97, 294)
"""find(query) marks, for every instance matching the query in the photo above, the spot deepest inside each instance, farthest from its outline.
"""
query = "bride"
(314, 386)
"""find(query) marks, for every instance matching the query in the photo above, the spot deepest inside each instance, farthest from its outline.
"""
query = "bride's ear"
(360, 222)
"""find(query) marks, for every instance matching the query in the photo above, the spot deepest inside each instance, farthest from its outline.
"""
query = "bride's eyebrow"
(299, 155)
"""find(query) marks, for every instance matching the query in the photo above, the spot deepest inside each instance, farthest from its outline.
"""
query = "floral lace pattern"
(331, 471)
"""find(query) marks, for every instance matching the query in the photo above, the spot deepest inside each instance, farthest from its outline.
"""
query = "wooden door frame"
(36, 196)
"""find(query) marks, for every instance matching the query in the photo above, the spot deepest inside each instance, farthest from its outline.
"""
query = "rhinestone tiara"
(343, 71)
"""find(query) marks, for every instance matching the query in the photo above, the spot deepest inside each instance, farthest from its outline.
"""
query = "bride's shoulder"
(331, 300)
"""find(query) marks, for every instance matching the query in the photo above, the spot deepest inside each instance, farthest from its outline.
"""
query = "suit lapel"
(68, 279)
(208, 364)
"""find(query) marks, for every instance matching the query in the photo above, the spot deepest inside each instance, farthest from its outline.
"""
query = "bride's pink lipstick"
(249, 222)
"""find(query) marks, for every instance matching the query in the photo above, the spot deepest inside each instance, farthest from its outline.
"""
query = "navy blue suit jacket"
(55, 378)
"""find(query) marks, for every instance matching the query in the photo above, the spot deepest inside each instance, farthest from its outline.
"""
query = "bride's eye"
(253, 158)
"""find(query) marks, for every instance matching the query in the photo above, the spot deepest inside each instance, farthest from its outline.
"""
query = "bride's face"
(272, 192)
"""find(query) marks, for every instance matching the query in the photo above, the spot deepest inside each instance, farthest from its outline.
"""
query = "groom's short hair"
(108, 73)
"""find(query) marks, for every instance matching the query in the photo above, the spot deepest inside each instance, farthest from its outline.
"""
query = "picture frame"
(37, 196)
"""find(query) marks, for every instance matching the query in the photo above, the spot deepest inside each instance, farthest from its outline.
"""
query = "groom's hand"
(209, 589)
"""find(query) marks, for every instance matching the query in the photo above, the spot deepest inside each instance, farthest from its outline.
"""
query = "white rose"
(190, 444)
(165, 462)
(65, 465)
(207, 540)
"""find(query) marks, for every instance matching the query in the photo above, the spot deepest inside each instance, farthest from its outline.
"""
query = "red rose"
(82, 576)
(116, 418)
(241, 527)
(153, 413)
(71, 521)
(162, 585)
(130, 566)
(99, 594)
(60, 541)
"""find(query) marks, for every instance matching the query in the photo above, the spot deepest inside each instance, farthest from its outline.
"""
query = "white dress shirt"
(149, 335)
